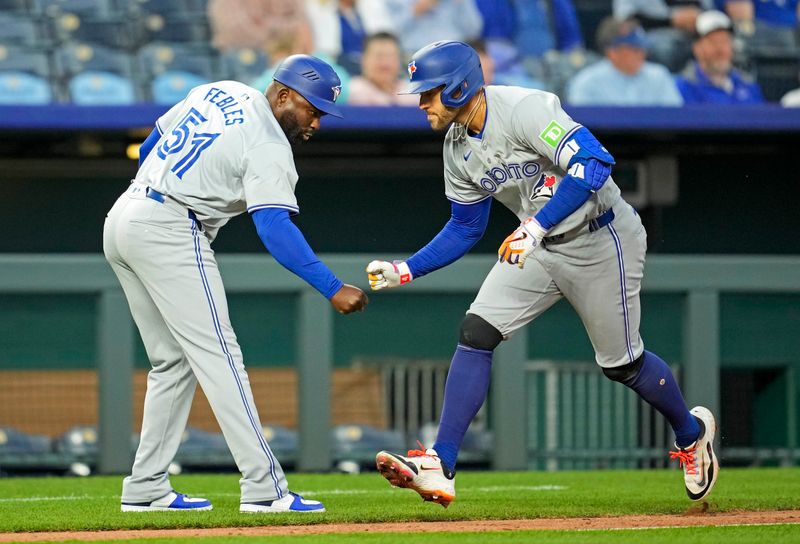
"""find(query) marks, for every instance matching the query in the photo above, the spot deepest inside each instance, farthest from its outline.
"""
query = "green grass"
(60, 504)
(774, 534)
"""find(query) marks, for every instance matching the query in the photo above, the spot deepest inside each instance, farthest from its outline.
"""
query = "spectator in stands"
(256, 24)
(669, 24)
(421, 21)
(533, 44)
(487, 62)
(712, 77)
(624, 77)
(339, 27)
(379, 81)
(765, 26)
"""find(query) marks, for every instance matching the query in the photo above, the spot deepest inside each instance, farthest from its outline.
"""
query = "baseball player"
(577, 239)
(223, 150)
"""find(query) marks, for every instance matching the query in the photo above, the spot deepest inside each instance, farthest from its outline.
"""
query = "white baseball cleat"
(700, 465)
(171, 502)
(291, 502)
(422, 471)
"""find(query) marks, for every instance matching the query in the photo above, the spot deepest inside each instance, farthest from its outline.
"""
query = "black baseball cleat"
(700, 465)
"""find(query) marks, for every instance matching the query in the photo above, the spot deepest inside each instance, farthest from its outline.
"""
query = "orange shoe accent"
(685, 458)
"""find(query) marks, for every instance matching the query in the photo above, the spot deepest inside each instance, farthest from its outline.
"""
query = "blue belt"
(161, 198)
(595, 224)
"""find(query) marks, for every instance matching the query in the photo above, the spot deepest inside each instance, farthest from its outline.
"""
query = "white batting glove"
(383, 274)
(516, 248)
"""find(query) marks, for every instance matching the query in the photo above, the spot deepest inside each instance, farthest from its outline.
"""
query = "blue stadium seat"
(24, 76)
(360, 443)
(776, 73)
(79, 441)
(102, 9)
(116, 33)
(19, 29)
(19, 6)
(184, 30)
(169, 8)
(92, 74)
(244, 65)
(15, 442)
(170, 70)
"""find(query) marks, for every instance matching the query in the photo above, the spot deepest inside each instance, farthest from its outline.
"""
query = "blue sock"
(464, 393)
(656, 384)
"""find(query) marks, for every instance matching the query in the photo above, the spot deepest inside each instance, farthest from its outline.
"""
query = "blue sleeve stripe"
(294, 210)
(563, 142)
(468, 203)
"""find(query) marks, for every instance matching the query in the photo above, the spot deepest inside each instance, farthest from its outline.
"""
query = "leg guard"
(625, 373)
(477, 333)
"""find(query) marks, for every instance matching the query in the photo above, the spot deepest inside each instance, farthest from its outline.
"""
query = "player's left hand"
(516, 248)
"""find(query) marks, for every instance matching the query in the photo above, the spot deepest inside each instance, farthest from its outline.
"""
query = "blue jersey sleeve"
(466, 226)
(148, 145)
(289, 247)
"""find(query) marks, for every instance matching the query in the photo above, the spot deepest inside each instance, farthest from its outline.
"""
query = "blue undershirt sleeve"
(289, 247)
(466, 226)
(148, 145)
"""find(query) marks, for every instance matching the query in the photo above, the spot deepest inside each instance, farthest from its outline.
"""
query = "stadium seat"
(92, 74)
(79, 441)
(102, 9)
(18, 6)
(358, 444)
(24, 76)
(154, 27)
(116, 33)
(170, 70)
(15, 442)
(243, 65)
(169, 8)
(18, 29)
(776, 73)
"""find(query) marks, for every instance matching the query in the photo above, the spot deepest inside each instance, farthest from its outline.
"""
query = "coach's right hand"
(383, 274)
(349, 299)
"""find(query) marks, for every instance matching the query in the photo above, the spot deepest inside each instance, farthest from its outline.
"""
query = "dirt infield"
(689, 519)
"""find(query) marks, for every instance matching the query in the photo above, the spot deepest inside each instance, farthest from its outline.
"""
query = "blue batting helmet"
(455, 65)
(313, 79)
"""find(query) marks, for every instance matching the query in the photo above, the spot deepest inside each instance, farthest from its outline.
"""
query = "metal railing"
(700, 278)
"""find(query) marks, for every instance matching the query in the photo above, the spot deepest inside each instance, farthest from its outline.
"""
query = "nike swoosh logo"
(466, 157)
(429, 468)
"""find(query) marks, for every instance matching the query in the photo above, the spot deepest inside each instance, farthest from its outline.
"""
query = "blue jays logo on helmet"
(449, 64)
(313, 79)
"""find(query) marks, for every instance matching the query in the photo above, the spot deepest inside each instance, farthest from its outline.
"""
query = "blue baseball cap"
(635, 38)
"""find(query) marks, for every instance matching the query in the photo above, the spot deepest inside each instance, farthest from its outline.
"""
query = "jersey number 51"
(186, 131)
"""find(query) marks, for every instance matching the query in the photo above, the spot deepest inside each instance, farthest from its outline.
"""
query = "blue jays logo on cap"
(337, 90)
(412, 67)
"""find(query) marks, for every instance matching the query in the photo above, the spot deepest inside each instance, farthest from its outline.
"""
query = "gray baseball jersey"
(221, 152)
(251, 165)
(520, 158)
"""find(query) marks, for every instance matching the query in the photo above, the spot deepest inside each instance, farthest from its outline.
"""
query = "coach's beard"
(294, 132)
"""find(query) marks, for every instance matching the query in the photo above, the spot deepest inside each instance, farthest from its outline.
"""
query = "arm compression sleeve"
(466, 226)
(148, 145)
(570, 196)
(289, 247)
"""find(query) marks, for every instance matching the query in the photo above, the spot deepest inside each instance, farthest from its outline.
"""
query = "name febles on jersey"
(520, 158)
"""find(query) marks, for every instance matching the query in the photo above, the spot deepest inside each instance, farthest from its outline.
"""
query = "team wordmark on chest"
(500, 174)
